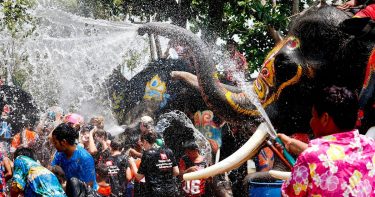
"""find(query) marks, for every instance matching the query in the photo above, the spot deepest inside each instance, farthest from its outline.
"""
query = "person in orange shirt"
(137, 187)
(104, 188)
(26, 138)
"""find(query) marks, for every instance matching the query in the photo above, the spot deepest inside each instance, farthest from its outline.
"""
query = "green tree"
(16, 23)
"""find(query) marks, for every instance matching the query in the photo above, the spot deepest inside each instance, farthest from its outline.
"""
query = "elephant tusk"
(280, 174)
(247, 151)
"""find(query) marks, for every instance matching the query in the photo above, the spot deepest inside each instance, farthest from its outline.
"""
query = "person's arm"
(8, 175)
(129, 175)
(176, 171)
(92, 148)
(182, 167)
(135, 153)
(134, 168)
(293, 145)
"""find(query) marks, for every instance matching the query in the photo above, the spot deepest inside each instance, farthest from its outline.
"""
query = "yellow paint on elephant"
(316, 195)
(298, 188)
(355, 178)
(290, 82)
(236, 107)
(155, 89)
(267, 79)
(268, 72)
(336, 152)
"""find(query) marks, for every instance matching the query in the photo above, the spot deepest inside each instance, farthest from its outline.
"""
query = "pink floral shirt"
(341, 164)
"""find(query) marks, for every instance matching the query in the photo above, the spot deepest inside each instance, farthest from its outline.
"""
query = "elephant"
(318, 51)
(153, 92)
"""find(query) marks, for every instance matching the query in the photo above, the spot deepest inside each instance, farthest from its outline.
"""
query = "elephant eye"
(265, 72)
(285, 67)
(293, 43)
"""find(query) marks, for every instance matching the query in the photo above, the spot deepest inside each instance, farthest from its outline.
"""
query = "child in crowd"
(102, 177)
(190, 162)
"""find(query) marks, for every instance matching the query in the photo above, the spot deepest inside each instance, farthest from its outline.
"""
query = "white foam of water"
(69, 58)
(200, 139)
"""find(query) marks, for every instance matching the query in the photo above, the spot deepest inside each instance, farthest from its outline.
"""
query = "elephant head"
(315, 53)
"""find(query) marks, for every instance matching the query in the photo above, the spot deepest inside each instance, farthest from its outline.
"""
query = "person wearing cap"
(190, 162)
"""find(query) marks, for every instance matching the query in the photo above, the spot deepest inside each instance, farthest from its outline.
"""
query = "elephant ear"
(359, 27)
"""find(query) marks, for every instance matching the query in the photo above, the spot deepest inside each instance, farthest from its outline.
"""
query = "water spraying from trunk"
(68, 58)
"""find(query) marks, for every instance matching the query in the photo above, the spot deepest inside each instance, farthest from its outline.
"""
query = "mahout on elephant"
(316, 53)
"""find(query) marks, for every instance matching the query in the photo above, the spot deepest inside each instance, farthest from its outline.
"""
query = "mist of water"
(165, 121)
(68, 58)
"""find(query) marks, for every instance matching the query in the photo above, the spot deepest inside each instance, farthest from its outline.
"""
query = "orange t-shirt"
(30, 136)
(137, 163)
(104, 190)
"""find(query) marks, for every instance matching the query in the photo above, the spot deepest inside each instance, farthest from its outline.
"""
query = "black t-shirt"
(157, 166)
(116, 170)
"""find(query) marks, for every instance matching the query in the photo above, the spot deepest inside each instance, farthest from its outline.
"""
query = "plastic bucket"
(260, 189)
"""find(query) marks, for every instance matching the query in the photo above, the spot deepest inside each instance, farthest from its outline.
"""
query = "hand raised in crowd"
(93, 130)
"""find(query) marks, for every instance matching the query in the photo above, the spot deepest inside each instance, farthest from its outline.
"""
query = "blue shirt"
(81, 165)
(34, 179)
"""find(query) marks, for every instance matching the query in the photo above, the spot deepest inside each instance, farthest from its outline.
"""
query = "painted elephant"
(316, 53)
(153, 92)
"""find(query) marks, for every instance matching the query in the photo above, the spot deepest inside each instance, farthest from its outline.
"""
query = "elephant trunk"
(231, 106)
(247, 151)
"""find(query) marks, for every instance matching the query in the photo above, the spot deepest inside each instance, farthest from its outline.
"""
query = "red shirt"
(192, 188)
(368, 11)
(104, 190)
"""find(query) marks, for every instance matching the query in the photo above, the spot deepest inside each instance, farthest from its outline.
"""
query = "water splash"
(165, 121)
(68, 59)
(247, 87)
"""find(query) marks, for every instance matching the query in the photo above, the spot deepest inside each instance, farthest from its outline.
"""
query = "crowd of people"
(62, 155)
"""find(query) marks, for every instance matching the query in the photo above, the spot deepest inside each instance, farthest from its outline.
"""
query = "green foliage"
(15, 17)
(16, 23)
(249, 20)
